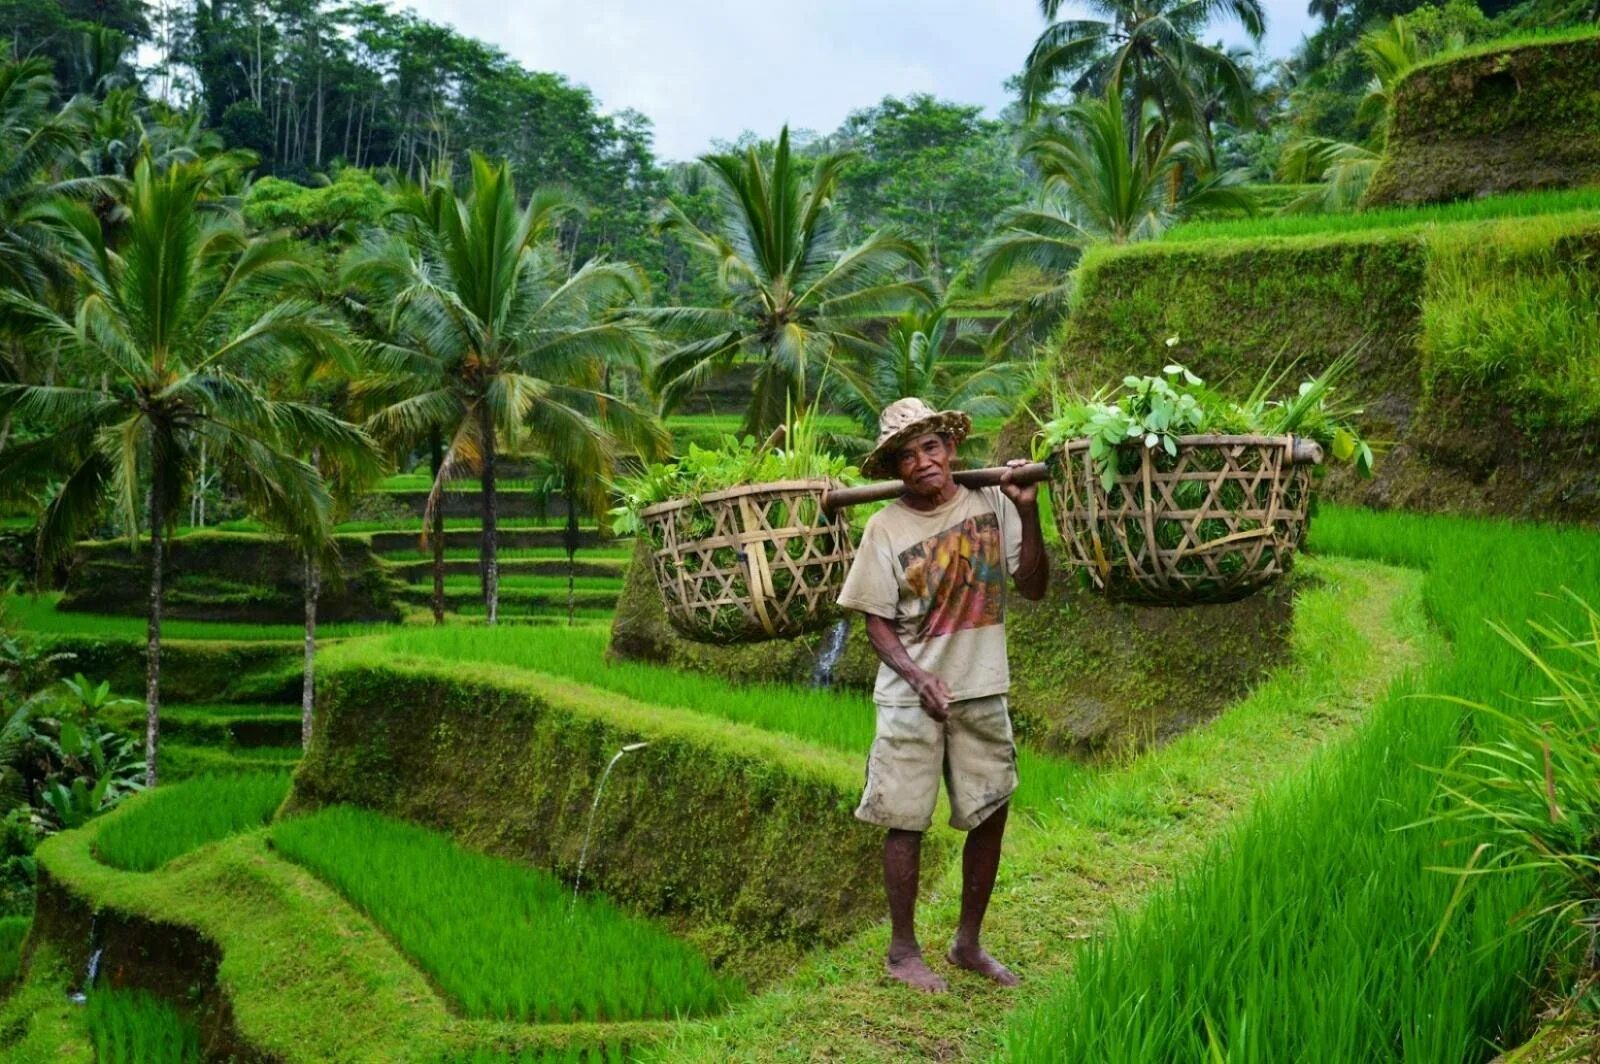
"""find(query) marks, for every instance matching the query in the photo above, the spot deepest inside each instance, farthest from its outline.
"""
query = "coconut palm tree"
(1104, 181)
(37, 146)
(1342, 169)
(1149, 47)
(491, 339)
(793, 294)
(916, 357)
(170, 334)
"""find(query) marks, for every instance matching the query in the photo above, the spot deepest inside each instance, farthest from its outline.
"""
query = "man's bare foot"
(976, 959)
(914, 972)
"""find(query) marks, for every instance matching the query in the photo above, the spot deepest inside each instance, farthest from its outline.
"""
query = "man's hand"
(934, 693)
(1023, 496)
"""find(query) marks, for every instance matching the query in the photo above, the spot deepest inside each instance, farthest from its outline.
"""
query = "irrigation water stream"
(594, 807)
(828, 654)
(81, 996)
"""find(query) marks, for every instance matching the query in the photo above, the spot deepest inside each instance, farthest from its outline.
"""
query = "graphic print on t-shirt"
(959, 576)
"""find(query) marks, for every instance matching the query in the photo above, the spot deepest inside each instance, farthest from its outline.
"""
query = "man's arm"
(1033, 564)
(931, 690)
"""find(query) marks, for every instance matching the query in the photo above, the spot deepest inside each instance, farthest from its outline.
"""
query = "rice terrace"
(1098, 561)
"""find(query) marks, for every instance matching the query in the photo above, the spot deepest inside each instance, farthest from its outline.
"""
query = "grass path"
(1103, 849)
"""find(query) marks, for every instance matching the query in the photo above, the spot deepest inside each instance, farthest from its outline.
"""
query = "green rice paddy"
(502, 940)
(1509, 205)
(1250, 955)
(38, 614)
(134, 1027)
(176, 819)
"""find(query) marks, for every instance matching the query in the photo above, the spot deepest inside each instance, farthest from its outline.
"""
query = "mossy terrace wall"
(1089, 677)
(1523, 117)
(743, 840)
(1480, 404)
(229, 576)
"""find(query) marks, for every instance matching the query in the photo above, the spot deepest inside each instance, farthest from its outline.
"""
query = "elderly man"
(931, 578)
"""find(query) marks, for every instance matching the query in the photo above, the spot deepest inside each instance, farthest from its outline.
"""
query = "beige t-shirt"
(941, 577)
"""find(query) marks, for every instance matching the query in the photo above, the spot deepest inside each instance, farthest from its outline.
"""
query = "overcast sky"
(710, 69)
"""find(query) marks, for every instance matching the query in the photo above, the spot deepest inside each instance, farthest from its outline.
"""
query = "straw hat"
(903, 421)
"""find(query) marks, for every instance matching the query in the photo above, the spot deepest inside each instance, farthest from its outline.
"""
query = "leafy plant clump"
(502, 940)
(734, 462)
(1156, 411)
(178, 819)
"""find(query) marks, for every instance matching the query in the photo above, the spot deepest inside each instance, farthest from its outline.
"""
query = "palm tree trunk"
(436, 533)
(571, 544)
(152, 688)
(491, 563)
(308, 685)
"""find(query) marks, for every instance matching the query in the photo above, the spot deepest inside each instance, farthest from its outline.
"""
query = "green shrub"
(181, 817)
(503, 940)
(133, 1027)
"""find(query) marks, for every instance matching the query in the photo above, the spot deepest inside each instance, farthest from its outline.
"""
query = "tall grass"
(1310, 934)
(38, 614)
(839, 720)
(13, 929)
(182, 817)
(1508, 205)
(504, 941)
(133, 1027)
(1514, 316)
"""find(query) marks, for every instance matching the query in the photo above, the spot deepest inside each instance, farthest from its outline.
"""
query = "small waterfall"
(81, 996)
(588, 833)
(828, 655)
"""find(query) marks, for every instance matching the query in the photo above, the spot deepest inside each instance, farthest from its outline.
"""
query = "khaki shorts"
(972, 750)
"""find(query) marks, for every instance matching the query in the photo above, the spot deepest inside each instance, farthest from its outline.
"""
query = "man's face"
(924, 464)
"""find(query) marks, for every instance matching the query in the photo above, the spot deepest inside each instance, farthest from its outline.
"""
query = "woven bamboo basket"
(1218, 521)
(761, 561)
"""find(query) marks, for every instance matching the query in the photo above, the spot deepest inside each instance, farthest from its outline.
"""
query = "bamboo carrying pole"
(878, 491)
(1302, 452)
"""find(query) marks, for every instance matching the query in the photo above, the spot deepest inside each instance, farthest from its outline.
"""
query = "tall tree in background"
(1148, 47)
(940, 171)
(495, 338)
(792, 293)
(171, 322)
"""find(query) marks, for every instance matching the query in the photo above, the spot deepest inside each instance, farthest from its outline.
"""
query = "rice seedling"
(1509, 205)
(1316, 932)
(839, 720)
(134, 1027)
(182, 817)
(502, 940)
(13, 929)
